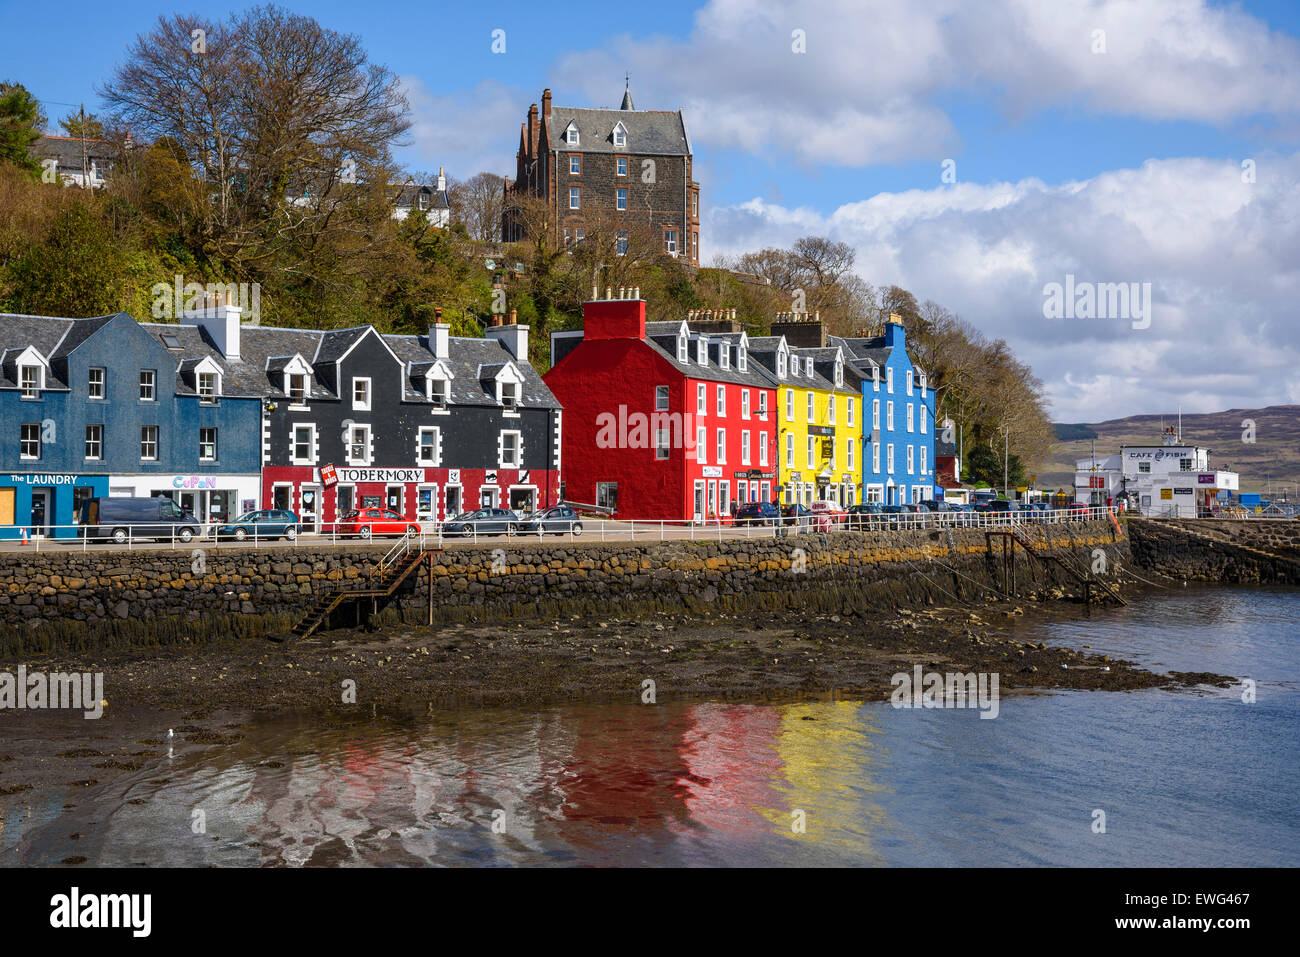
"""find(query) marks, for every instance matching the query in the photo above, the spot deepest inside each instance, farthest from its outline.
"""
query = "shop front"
(45, 504)
(321, 496)
(211, 498)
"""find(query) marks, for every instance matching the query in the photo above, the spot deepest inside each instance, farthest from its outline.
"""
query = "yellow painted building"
(818, 421)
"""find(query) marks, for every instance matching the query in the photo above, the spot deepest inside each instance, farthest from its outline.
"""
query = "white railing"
(430, 535)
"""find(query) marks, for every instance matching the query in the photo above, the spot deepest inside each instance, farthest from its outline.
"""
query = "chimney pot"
(514, 317)
(637, 293)
(609, 292)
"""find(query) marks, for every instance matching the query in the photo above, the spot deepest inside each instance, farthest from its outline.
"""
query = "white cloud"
(1222, 257)
(467, 131)
(866, 90)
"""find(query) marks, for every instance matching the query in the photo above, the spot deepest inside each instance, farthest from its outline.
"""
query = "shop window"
(280, 496)
(344, 499)
(607, 495)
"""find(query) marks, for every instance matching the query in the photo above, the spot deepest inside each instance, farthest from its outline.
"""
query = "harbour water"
(1178, 778)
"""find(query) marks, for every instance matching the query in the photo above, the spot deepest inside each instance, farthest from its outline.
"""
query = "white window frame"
(909, 381)
(32, 389)
(149, 381)
(352, 443)
(683, 348)
(875, 457)
(889, 458)
(889, 416)
(701, 399)
(518, 458)
(215, 449)
(911, 418)
(97, 389)
(97, 440)
(702, 351)
(812, 451)
(662, 398)
(701, 445)
(366, 400)
(145, 439)
(850, 404)
(575, 196)
(744, 447)
(744, 403)
(925, 419)
(620, 198)
(620, 166)
(23, 441)
(789, 405)
(812, 406)
(294, 458)
(620, 135)
(889, 379)
(722, 401)
(722, 446)
(762, 448)
(762, 404)
(911, 459)
(830, 410)
(571, 135)
(789, 450)
(436, 446)
(575, 159)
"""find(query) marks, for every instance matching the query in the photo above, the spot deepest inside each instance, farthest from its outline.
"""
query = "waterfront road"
(593, 530)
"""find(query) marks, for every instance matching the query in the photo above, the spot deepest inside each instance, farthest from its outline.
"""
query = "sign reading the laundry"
(380, 475)
(44, 478)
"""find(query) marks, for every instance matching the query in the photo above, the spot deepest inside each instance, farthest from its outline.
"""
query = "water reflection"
(722, 783)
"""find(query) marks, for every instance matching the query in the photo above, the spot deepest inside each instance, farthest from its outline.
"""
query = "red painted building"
(662, 420)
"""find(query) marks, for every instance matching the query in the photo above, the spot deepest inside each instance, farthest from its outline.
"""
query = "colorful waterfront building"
(668, 420)
(818, 413)
(109, 406)
(428, 426)
(898, 417)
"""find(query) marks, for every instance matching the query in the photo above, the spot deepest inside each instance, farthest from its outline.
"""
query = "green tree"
(76, 270)
(982, 464)
(21, 121)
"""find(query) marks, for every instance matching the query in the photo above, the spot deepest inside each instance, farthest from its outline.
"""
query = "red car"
(368, 522)
(828, 513)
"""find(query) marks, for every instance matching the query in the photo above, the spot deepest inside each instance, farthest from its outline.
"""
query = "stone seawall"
(1238, 551)
(107, 597)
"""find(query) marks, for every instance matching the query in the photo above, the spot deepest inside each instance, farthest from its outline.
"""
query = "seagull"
(170, 734)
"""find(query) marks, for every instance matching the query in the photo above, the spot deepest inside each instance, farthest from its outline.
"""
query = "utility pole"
(1006, 459)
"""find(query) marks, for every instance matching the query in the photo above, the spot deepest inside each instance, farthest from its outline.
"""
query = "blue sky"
(1113, 165)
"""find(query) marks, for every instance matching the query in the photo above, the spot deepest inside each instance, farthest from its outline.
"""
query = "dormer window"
(296, 387)
(724, 355)
(571, 134)
(909, 381)
(682, 348)
(808, 367)
(620, 135)
(30, 380)
(839, 373)
(922, 383)
(209, 387)
(742, 358)
(439, 392)
(510, 394)
(702, 351)
(875, 378)
(781, 365)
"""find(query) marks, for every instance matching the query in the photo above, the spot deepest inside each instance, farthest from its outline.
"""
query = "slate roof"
(651, 132)
(662, 337)
(67, 150)
(267, 349)
(410, 193)
(468, 362)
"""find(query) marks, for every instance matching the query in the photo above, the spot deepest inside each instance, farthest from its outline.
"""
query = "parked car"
(124, 519)
(1076, 510)
(261, 525)
(561, 519)
(483, 521)
(865, 516)
(758, 513)
(892, 515)
(832, 512)
(797, 515)
(369, 522)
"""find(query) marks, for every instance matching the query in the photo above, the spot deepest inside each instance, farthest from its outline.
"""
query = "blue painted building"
(897, 417)
(109, 406)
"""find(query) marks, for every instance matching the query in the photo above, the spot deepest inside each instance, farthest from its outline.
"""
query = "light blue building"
(897, 417)
(109, 406)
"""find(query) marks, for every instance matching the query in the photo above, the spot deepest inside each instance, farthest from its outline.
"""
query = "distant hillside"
(1274, 455)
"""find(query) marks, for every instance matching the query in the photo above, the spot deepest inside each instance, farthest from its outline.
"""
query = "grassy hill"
(1274, 455)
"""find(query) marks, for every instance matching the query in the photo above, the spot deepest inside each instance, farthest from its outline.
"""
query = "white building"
(1170, 479)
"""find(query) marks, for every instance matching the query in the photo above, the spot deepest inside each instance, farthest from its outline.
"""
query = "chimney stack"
(440, 337)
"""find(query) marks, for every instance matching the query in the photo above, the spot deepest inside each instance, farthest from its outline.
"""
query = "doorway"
(42, 506)
(393, 499)
(453, 502)
(699, 500)
(310, 517)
